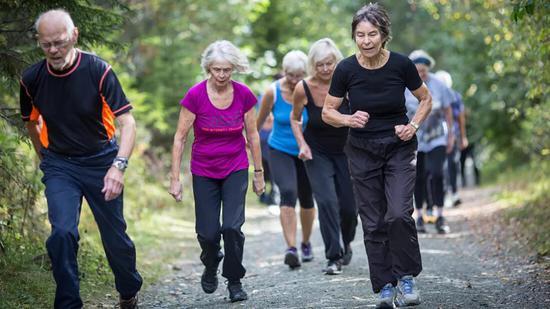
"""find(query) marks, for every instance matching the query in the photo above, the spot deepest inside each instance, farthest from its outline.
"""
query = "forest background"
(497, 52)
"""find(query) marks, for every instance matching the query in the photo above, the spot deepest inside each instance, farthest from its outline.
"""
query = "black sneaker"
(236, 292)
(441, 226)
(420, 228)
(348, 253)
(291, 258)
(209, 278)
(333, 268)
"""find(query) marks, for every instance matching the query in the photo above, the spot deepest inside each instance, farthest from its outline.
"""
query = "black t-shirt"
(76, 107)
(318, 134)
(379, 92)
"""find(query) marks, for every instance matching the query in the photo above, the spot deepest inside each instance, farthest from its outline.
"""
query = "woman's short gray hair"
(445, 77)
(295, 61)
(57, 13)
(320, 50)
(226, 51)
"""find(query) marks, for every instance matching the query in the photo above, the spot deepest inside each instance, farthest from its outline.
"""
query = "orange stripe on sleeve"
(108, 118)
(34, 114)
(44, 140)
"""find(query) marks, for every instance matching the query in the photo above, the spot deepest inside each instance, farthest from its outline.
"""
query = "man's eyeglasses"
(59, 44)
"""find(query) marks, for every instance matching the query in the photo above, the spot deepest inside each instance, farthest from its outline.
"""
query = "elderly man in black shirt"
(69, 102)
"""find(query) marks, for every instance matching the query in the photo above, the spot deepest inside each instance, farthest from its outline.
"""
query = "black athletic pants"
(452, 167)
(464, 154)
(210, 194)
(429, 178)
(383, 174)
(331, 184)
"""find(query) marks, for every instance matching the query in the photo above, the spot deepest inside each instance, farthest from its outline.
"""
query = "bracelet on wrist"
(414, 125)
(258, 171)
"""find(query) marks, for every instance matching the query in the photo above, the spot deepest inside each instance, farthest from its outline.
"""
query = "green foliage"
(26, 281)
(528, 191)
(496, 51)
(17, 36)
(19, 183)
(523, 7)
(166, 40)
(498, 65)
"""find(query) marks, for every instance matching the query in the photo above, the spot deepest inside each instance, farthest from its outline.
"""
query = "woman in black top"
(381, 151)
(322, 149)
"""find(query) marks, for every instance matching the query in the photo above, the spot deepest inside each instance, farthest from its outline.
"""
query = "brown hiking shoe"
(131, 303)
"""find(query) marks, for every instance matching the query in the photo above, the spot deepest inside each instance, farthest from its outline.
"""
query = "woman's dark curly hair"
(375, 14)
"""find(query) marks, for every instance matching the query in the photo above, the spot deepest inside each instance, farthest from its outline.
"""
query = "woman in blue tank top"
(288, 170)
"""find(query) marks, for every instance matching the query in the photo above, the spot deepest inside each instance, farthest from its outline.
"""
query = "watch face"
(119, 165)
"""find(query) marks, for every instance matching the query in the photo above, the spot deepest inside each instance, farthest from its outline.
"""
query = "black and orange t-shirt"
(76, 108)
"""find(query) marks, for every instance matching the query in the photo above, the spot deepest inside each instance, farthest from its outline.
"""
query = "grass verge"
(528, 191)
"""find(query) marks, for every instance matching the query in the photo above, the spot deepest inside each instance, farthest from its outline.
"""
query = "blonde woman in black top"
(322, 149)
(381, 150)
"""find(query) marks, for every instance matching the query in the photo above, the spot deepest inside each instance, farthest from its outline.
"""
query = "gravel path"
(460, 271)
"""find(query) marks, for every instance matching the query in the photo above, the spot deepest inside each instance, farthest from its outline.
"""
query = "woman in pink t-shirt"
(219, 109)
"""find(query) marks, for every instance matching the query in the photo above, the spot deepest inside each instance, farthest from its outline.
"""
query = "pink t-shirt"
(219, 147)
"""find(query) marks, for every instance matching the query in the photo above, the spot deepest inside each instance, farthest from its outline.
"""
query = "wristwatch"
(120, 163)
(414, 125)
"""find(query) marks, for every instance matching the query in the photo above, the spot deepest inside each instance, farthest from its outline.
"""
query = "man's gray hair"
(320, 50)
(224, 50)
(295, 61)
(59, 13)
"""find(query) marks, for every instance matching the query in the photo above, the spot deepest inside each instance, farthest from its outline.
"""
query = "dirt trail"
(460, 270)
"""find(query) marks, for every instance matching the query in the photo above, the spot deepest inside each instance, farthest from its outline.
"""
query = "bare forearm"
(424, 109)
(334, 117)
(265, 109)
(255, 149)
(296, 126)
(177, 152)
(330, 113)
(127, 136)
(425, 104)
(449, 120)
(462, 124)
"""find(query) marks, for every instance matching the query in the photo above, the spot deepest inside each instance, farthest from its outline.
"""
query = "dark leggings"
(429, 178)
(210, 194)
(464, 154)
(289, 174)
(333, 192)
(452, 165)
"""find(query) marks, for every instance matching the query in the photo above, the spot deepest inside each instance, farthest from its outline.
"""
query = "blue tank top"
(281, 137)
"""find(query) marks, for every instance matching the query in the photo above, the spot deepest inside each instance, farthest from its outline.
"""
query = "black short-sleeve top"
(379, 92)
(77, 107)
